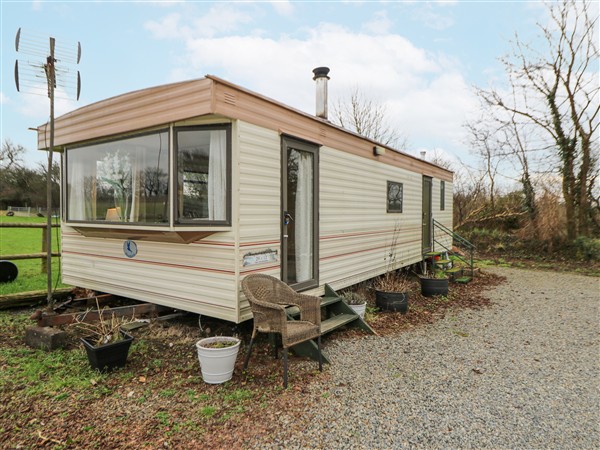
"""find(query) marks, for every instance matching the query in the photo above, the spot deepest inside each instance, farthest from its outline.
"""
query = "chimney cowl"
(321, 80)
(321, 72)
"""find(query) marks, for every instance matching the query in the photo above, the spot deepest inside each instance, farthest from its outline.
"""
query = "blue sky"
(419, 58)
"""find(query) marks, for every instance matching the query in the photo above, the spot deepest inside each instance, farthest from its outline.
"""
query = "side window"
(203, 184)
(442, 195)
(394, 197)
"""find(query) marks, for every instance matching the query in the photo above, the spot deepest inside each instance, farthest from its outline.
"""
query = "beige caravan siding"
(239, 103)
(259, 200)
(129, 112)
(356, 231)
(197, 277)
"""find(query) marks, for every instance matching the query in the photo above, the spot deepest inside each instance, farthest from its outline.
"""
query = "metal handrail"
(455, 237)
(458, 237)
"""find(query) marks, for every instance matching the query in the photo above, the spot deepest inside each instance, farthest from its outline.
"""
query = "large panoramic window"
(203, 185)
(122, 181)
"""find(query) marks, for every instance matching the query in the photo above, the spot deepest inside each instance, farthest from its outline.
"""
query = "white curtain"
(77, 198)
(304, 219)
(216, 175)
(136, 166)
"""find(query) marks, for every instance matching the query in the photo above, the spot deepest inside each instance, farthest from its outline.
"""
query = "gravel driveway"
(524, 373)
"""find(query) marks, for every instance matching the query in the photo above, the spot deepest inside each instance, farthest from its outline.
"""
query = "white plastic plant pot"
(217, 363)
(359, 309)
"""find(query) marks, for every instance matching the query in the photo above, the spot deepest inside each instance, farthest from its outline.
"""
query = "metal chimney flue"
(321, 79)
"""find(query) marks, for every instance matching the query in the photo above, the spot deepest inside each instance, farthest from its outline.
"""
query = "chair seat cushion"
(299, 331)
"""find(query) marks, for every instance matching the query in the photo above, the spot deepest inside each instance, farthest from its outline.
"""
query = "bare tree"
(556, 91)
(367, 117)
(483, 139)
(11, 155)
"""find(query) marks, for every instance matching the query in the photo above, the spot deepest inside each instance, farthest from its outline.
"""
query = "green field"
(16, 241)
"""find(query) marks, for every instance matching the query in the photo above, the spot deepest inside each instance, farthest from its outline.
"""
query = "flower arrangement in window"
(114, 173)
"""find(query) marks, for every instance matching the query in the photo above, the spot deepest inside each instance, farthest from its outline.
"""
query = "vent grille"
(229, 98)
(322, 131)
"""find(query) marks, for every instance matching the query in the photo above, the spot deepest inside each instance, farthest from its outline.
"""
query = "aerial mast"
(30, 74)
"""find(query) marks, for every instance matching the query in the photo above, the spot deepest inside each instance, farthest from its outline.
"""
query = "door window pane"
(300, 198)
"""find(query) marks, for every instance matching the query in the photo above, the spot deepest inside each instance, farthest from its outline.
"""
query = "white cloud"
(220, 19)
(167, 28)
(428, 14)
(34, 103)
(3, 98)
(283, 7)
(379, 24)
(426, 94)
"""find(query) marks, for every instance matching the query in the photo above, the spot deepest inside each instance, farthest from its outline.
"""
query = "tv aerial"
(50, 65)
(48, 68)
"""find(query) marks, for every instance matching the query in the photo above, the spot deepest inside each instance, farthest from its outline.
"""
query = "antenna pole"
(51, 76)
(33, 46)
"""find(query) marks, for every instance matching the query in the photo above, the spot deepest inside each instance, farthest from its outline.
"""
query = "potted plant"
(106, 344)
(434, 282)
(391, 292)
(391, 289)
(217, 357)
(357, 302)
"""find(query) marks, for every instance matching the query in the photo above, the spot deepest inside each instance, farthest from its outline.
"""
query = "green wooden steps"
(335, 313)
(463, 280)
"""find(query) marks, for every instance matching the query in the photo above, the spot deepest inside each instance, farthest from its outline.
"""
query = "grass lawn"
(17, 241)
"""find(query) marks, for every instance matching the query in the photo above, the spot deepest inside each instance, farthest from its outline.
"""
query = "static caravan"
(173, 194)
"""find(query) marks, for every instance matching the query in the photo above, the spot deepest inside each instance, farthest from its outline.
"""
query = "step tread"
(337, 321)
(443, 261)
(463, 279)
(325, 301)
(454, 269)
(432, 254)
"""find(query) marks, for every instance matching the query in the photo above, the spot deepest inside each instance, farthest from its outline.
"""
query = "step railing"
(442, 230)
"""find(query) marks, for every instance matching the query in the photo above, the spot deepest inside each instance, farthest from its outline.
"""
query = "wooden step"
(336, 321)
(294, 311)
(443, 261)
(454, 269)
(463, 280)
(428, 254)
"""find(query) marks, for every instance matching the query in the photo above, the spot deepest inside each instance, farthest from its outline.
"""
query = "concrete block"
(46, 338)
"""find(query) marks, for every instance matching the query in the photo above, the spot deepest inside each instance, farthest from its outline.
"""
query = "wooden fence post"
(44, 248)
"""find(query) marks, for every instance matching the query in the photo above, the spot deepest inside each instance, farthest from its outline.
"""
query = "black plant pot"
(392, 301)
(434, 286)
(108, 356)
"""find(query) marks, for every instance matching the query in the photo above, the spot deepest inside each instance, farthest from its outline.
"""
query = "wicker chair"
(268, 298)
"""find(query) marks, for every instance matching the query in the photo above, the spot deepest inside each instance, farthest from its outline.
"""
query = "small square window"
(442, 195)
(394, 197)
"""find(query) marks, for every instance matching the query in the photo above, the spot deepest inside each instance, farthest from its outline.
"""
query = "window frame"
(388, 209)
(183, 222)
(121, 137)
(442, 195)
